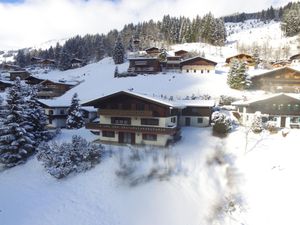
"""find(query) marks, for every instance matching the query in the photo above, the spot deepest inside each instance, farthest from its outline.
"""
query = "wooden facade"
(51, 89)
(283, 109)
(4, 85)
(144, 65)
(129, 118)
(21, 74)
(281, 80)
(31, 80)
(153, 51)
(242, 57)
(173, 63)
(198, 65)
(181, 53)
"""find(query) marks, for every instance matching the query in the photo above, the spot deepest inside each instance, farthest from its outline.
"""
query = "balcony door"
(187, 121)
(126, 138)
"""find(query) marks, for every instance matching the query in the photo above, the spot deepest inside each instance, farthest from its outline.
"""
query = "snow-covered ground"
(262, 183)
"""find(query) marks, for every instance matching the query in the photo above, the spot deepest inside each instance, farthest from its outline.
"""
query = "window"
(108, 133)
(62, 112)
(207, 71)
(201, 71)
(154, 122)
(173, 119)
(295, 120)
(274, 107)
(50, 112)
(121, 120)
(195, 71)
(272, 118)
(296, 107)
(187, 71)
(289, 107)
(150, 137)
(200, 120)
(280, 107)
(140, 106)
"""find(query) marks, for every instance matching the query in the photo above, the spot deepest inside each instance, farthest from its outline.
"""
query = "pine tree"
(16, 141)
(64, 59)
(237, 76)
(74, 119)
(20, 58)
(116, 73)
(290, 23)
(119, 51)
(36, 117)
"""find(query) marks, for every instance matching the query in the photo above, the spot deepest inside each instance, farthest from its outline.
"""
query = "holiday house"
(248, 59)
(283, 109)
(144, 65)
(198, 65)
(181, 53)
(279, 80)
(51, 89)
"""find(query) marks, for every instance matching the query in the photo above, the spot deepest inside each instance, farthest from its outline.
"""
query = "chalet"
(280, 80)
(196, 113)
(10, 67)
(51, 89)
(173, 64)
(181, 53)
(22, 74)
(283, 109)
(47, 63)
(76, 63)
(57, 113)
(5, 84)
(31, 80)
(282, 63)
(248, 59)
(198, 65)
(131, 118)
(144, 65)
(35, 60)
(295, 59)
(153, 51)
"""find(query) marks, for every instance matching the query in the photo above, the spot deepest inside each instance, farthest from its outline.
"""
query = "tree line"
(170, 30)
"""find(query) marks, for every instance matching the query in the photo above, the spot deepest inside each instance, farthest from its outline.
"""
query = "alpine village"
(180, 120)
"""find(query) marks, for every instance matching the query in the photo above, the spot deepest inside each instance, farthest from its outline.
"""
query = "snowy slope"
(100, 197)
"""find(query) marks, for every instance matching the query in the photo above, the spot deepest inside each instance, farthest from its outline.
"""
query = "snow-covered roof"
(264, 97)
(197, 103)
(277, 70)
(198, 57)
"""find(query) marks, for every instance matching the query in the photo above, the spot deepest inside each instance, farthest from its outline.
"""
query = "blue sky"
(35, 21)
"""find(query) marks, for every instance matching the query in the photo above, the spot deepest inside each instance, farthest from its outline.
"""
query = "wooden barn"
(284, 79)
(76, 63)
(198, 65)
(145, 65)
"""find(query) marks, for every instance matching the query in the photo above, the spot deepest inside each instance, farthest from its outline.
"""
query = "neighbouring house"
(22, 74)
(5, 84)
(57, 113)
(51, 89)
(47, 63)
(284, 79)
(131, 118)
(198, 65)
(196, 113)
(181, 53)
(295, 60)
(76, 63)
(10, 67)
(282, 63)
(32, 80)
(283, 109)
(144, 65)
(173, 64)
(35, 60)
(152, 51)
(248, 59)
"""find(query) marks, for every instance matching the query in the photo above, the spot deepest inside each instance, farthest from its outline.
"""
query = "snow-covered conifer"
(74, 119)
(119, 51)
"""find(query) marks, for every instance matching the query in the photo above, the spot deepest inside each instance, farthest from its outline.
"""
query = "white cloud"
(35, 21)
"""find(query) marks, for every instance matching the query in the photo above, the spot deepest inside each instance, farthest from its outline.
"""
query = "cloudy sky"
(30, 22)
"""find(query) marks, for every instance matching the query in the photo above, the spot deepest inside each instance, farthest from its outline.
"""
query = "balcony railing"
(126, 128)
(118, 112)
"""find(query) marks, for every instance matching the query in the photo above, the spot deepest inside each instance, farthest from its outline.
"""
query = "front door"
(187, 121)
(282, 121)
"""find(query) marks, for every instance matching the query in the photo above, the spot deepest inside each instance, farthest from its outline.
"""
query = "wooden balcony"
(127, 128)
(118, 112)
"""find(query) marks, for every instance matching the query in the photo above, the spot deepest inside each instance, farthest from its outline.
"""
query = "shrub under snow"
(63, 159)
(221, 123)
